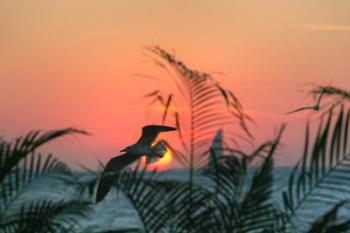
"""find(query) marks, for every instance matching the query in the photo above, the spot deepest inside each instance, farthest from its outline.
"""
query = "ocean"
(116, 212)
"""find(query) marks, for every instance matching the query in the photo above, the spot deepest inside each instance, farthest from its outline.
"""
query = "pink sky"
(71, 63)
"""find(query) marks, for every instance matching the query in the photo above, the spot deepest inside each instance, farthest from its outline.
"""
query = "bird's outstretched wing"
(299, 109)
(150, 133)
(110, 173)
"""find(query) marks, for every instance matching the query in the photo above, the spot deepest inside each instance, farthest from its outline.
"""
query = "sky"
(73, 63)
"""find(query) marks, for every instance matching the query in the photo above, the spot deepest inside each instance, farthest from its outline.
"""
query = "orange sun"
(161, 164)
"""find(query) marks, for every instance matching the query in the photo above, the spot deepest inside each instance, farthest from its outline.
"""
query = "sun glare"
(161, 164)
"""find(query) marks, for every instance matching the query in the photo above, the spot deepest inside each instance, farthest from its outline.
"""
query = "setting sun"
(161, 164)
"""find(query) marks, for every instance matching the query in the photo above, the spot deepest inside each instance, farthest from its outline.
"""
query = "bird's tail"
(158, 151)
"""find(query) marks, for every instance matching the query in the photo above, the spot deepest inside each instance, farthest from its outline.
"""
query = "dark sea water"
(116, 212)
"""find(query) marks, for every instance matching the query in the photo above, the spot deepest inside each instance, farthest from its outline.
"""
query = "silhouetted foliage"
(21, 166)
(206, 106)
(337, 96)
(323, 171)
(239, 195)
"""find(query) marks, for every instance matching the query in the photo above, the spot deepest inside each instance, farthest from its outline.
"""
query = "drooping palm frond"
(337, 95)
(24, 173)
(201, 107)
(230, 179)
(244, 207)
(332, 92)
(45, 216)
(257, 210)
(12, 153)
(20, 166)
(321, 178)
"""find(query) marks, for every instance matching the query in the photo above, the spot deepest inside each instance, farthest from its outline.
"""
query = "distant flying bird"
(316, 107)
(132, 153)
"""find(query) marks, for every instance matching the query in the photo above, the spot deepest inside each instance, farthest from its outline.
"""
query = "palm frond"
(323, 171)
(257, 210)
(12, 153)
(146, 198)
(45, 216)
(239, 210)
(205, 99)
(332, 92)
(337, 96)
(23, 174)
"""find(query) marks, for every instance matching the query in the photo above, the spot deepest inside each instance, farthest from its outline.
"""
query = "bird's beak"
(168, 128)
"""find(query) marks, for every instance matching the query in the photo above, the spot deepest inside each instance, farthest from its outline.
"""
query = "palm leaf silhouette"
(20, 166)
(240, 206)
(45, 216)
(322, 173)
(204, 100)
(12, 153)
(146, 198)
(337, 95)
(24, 174)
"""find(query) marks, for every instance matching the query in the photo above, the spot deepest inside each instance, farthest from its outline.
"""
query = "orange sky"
(70, 63)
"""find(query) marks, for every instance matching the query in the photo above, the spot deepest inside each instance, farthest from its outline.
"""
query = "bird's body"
(138, 149)
(315, 107)
(132, 153)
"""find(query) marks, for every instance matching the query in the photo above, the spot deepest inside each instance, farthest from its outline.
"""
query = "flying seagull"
(132, 153)
(316, 107)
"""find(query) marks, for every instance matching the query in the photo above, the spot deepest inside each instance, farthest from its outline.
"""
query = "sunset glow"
(73, 63)
(174, 116)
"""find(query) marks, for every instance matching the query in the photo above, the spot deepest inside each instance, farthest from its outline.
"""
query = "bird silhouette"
(132, 153)
(315, 107)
